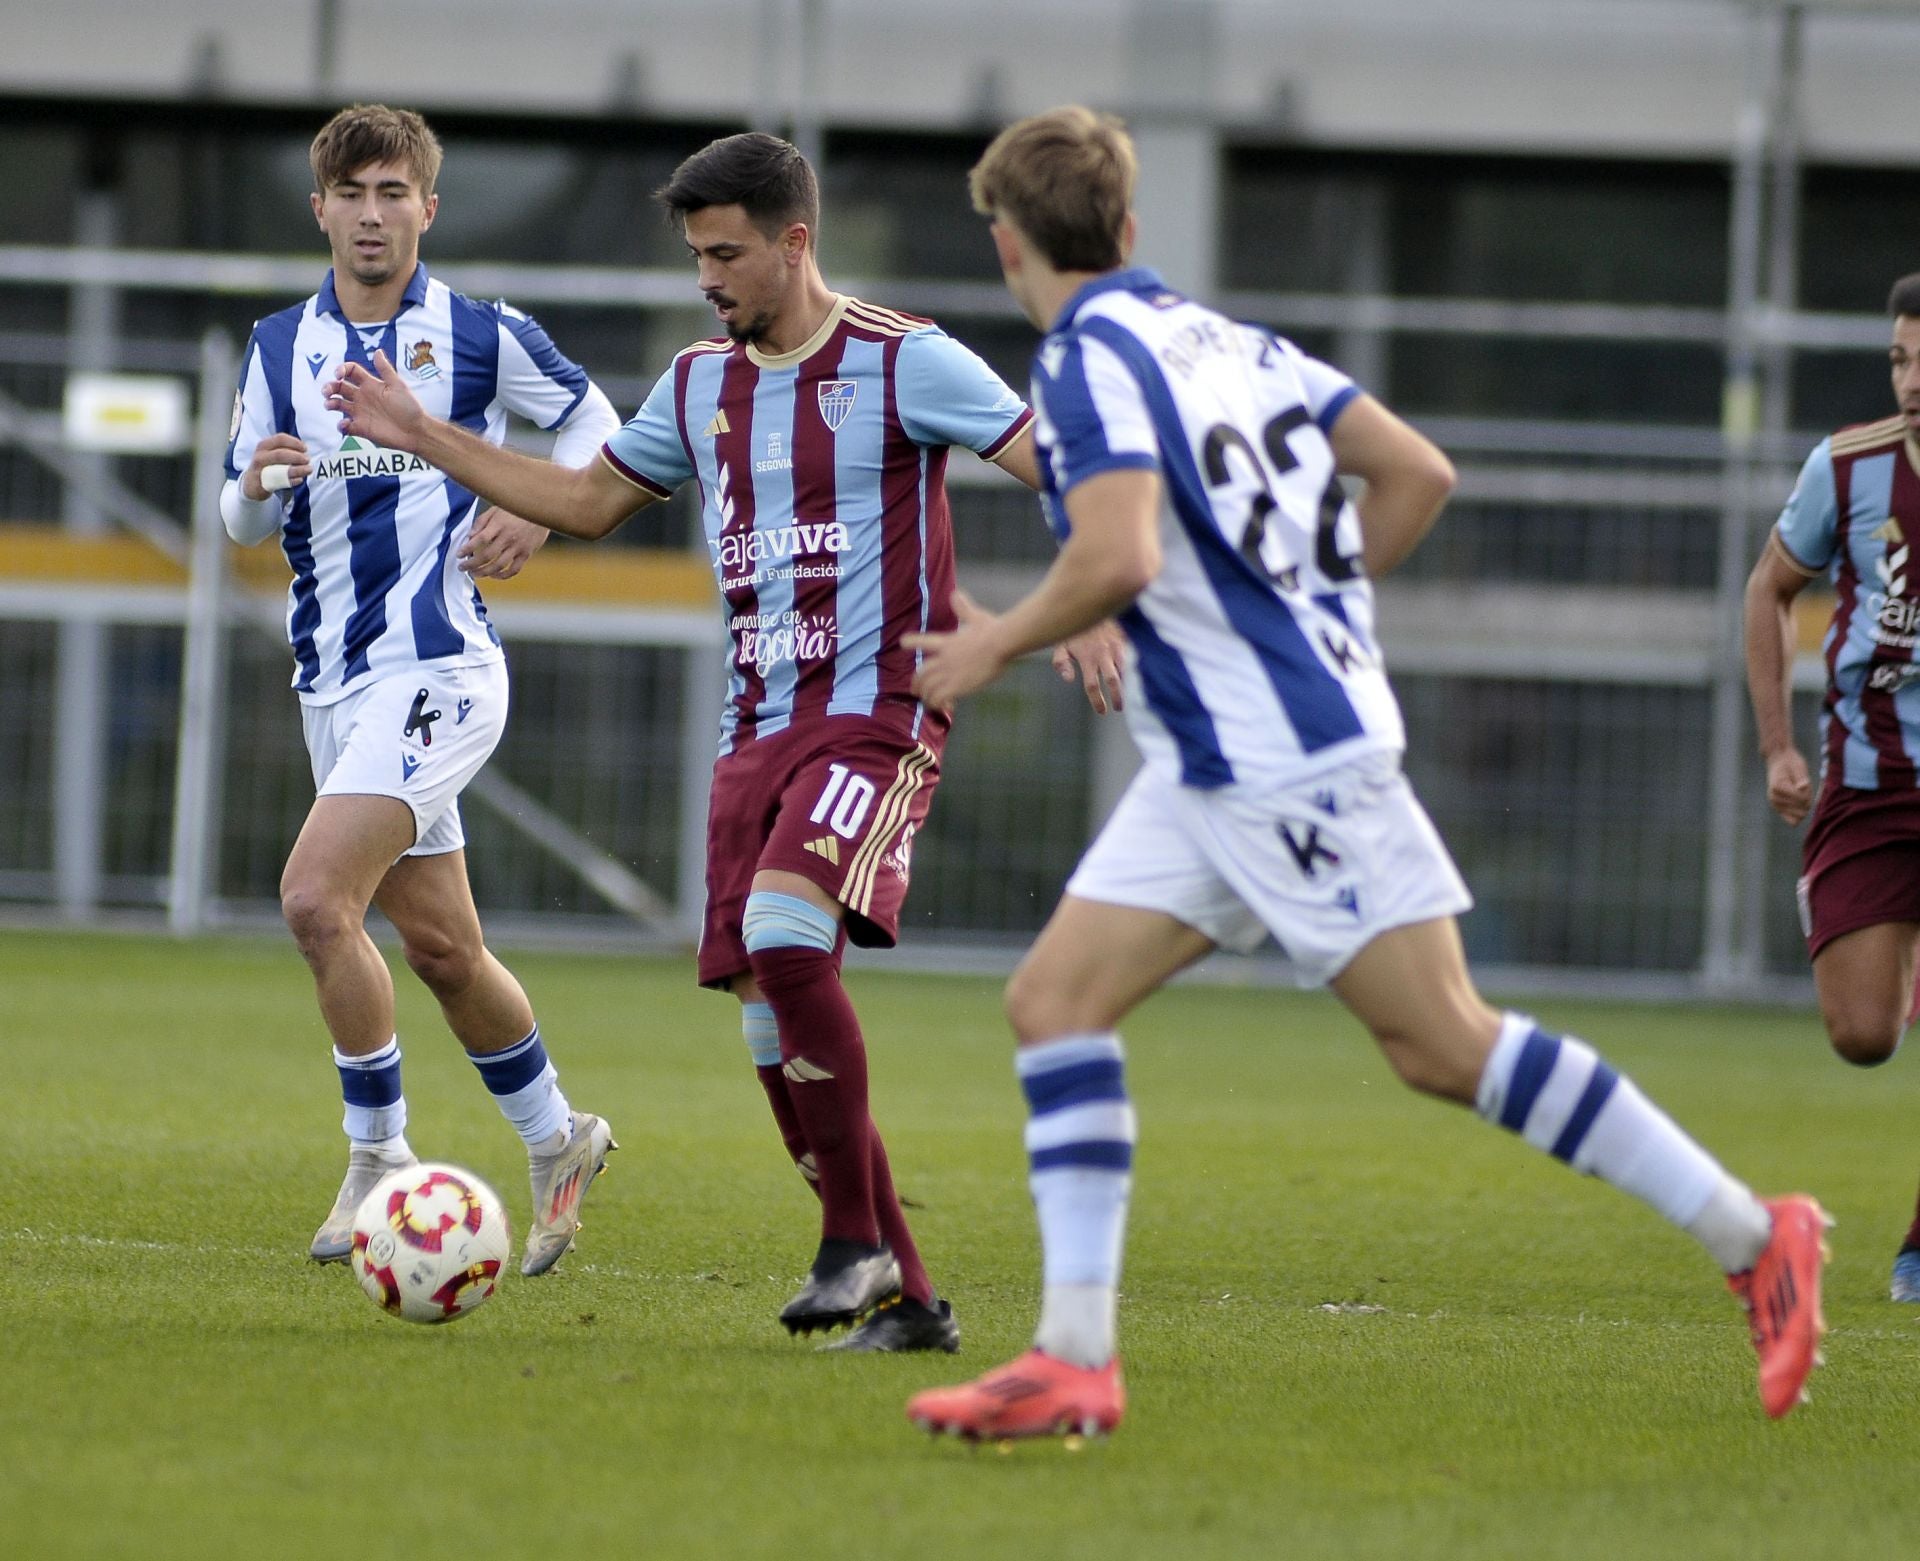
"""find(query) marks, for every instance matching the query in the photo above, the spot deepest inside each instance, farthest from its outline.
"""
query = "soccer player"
(817, 429)
(1852, 518)
(1190, 466)
(402, 682)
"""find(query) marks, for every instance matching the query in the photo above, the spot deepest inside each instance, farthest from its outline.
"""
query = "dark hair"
(1905, 297)
(764, 175)
(373, 133)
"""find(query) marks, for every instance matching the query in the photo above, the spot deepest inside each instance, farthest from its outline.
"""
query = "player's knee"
(1036, 1008)
(318, 919)
(1433, 1061)
(1864, 1040)
(789, 943)
(444, 965)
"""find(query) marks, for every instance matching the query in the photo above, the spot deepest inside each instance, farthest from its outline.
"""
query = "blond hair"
(1064, 179)
(373, 133)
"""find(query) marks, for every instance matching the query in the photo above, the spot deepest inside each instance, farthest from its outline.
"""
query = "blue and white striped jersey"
(1255, 650)
(372, 534)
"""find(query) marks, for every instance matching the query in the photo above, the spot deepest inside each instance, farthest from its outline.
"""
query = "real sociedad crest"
(836, 401)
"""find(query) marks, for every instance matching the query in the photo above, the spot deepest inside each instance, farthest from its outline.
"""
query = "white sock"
(1080, 1151)
(376, 1109)
(1559, 1095)
(527, 1090)
(395, 1149)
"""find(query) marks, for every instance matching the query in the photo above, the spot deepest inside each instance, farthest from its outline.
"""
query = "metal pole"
(83, 675)
(1728, 959)
(1760, 835)
(703, 688)
(809, 120)
(197, 790)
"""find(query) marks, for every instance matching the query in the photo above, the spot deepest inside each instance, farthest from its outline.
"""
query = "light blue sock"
(762, 1033)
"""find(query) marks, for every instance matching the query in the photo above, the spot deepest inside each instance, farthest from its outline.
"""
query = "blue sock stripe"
(510, 1071)
(762, 1033)
(776, 921)
(1599, 1088)
(1102, 1079)
(1530, 1076)
(1097, 1156)
(371, 1086)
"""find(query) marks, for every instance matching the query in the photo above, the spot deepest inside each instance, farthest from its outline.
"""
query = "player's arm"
(1020, 459)
(1096, 657)
(1111, 555)
(1771, 643)
(1408, 479)
(587, 501)
(261, 461)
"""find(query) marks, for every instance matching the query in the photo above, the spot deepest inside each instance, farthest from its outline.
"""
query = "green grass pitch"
(1356, 1323)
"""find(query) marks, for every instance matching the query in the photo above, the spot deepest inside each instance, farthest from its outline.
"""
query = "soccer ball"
(429, 1241)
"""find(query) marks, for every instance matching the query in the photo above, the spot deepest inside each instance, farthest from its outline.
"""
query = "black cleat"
(900, 1326)
(848, 1281)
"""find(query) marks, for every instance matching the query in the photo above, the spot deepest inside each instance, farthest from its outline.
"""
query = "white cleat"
(560, 1182)
(334, 1239)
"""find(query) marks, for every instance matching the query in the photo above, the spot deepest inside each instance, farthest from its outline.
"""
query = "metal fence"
(1563, 647)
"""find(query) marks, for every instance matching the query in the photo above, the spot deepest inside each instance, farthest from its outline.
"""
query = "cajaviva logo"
(742, 550)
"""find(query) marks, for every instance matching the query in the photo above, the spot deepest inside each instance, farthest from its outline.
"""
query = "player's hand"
(499, 545)
(1789, 788)
(376, 404)
(275, 450)
(1100, 655)
(958, 663)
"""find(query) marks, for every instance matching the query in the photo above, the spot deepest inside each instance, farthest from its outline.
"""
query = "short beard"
(745, 333)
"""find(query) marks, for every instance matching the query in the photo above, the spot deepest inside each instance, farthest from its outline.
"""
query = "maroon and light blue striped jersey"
(822, 476)
(1855, 513)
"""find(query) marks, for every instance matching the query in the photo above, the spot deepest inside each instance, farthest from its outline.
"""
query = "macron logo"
(408, 764)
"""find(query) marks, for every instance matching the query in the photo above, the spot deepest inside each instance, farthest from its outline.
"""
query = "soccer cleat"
(900, 1326)
(560, 1182)
(334, 1239)
(847, 1281)
(1781, 1293)
(1906, 1275)
(1035, 1395)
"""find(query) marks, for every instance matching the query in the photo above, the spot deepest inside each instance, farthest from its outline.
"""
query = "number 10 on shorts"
(844, 801)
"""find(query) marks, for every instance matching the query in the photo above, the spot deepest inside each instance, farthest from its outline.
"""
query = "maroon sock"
(826, 1069)
(914, 1284)
(1913, 1232)
(774, 1082)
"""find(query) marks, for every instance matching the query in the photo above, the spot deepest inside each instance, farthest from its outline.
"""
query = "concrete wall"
(1657, 77)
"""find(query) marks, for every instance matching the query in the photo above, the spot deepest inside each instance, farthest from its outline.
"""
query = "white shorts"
(1322, 868)
(418, 735)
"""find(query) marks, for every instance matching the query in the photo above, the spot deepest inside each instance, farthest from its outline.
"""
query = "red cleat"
(1781, 1293)
(1035, 1395)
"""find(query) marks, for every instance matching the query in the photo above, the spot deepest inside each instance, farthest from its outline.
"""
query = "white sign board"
(130, 414)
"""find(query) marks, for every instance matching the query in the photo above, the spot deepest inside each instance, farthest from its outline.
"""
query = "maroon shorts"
(1860, 864)
(837, 801)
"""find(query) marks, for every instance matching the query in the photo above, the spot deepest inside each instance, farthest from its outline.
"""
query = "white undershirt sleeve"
(249, 521)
